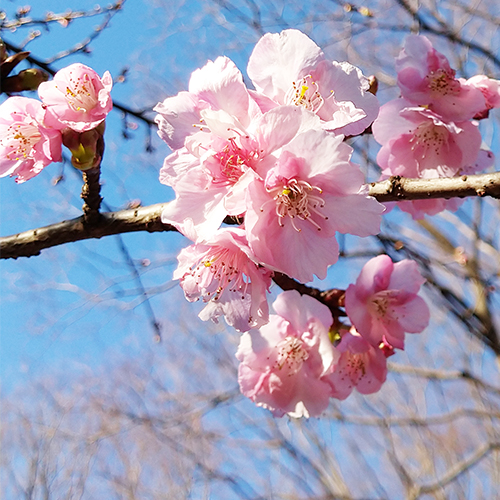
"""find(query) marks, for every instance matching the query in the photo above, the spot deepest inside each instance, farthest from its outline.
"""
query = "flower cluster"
(77, 100)
(300, 359)
(432, 130)
(274, 160)
(274, 157)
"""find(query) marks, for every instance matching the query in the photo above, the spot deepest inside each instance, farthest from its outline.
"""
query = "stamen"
(291, 353)
(295, 200)
(81, 94)
(305, 93)
(20, 139)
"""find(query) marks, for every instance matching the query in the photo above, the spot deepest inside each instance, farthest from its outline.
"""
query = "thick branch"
(32, 242)
(399, 188)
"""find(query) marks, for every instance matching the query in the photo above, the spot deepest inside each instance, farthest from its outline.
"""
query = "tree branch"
(398, 188)
(456, 470)
(148, 219)
(32, 242)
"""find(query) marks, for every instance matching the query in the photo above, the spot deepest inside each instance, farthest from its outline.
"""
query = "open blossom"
(426, 79)
(383, 304)
(284, 362)
(76, 98)
(311, 191)
(416, 142)
(26, 145)
(288, 68)
(210, 174)
(360, 366)
(217, 86)
(491, 92)
(221, 273)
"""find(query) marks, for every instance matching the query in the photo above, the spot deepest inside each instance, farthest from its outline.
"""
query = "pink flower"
(360, 366)
(217, 86)
(211, 173)
(383, 304)
(26, 146)
(220, 272)
(416, 142)
(283, 364)
(426, 79)
(290, 69)
(491, 92)
(310, 192)
(76, 98)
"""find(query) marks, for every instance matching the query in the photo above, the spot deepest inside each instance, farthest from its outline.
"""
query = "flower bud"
(28, 79)
(86, 147)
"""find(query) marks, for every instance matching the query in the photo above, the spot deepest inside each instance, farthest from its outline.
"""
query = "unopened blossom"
(221, 273)
(283, 363)
(77, 98)
(383, 303)
(288, 68)
(26, 145)
(217, 86)
(360, 366)
(426, 79)
(416, 142)
(311, 191)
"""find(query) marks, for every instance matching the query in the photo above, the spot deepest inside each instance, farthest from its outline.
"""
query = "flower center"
(225, 268)
(383, 305)
(80, 93)
(442, 82)
(428, 136)
(19, 140)
(355, 367)
(296, 199)
(305, 93)
(291, 354)
(230, 163)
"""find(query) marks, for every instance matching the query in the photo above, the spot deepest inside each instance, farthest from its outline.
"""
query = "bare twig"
(64, 18)
(436, 374)
(456, 470)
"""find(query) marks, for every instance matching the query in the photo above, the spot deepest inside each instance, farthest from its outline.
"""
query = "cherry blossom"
(383, 304)
(26, 145)
(217, 86)
(76, 98)
(210, 174)
(416, 142)
(360, 366)
(491, 92)
(283, 364)
(290, 69)
(311, 191)
(220, 272)
(426, 79)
